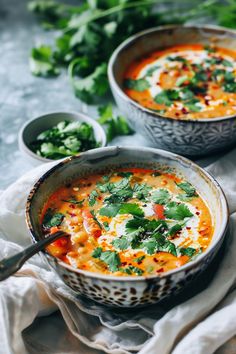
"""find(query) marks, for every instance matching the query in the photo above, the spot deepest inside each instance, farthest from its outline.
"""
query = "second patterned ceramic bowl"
(128, 291)
(186, 137)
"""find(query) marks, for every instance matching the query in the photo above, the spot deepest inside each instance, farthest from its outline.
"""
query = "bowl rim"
(80, 116)
(129, 41)
(111, 149)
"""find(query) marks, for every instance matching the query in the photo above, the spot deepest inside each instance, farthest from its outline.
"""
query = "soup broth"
(128, 222)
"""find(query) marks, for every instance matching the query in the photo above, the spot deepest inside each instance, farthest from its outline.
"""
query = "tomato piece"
(159, 211)
(59, 247)
(91, 226)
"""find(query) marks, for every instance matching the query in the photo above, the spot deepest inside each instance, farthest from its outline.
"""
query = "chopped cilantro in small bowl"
(57, 135)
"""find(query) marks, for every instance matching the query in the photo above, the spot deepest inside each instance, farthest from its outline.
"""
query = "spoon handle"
(9, 266)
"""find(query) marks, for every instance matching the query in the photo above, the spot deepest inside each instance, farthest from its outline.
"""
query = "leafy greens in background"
(89, 33)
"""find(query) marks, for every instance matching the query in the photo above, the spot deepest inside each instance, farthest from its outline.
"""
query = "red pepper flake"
(160, 270)
(155, 260)
(72, 214)
(72, 206)
(188, 227)
(197, 213)
(99, 198)
(184, 110)
(207, 102)
(123, 263)
(177, 114)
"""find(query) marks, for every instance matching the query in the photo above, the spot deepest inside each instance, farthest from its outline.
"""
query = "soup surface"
(185, 81)
(128, 222)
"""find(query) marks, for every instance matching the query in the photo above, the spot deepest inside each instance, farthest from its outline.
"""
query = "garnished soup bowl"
(128, 291)
(190, 137)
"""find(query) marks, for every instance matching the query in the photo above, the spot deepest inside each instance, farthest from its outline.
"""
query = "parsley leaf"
(137, 85)
(160, 196)
(97, 252)
(177, 211)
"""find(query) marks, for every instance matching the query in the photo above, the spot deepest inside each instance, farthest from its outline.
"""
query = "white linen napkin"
(197, 325)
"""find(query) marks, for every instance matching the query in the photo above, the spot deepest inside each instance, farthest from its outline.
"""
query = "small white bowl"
(34, 127)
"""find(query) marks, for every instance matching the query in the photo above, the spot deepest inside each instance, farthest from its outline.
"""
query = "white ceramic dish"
(34, 127)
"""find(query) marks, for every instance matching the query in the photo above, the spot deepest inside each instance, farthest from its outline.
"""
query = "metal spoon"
(9, 266)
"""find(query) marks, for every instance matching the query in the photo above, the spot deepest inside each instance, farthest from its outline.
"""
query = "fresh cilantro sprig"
(65, 139)
(115, 125)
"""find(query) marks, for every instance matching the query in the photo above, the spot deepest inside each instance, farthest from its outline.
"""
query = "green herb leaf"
(137, 85)
(188, 189)
(51, 220)
(106, 226)
(131, 269)
(139, 259)
(160, 196)
(110, 210)
(189, 251)
(167, 97)
(121, 243)
(112, 259)
(42, 63)
(177, 211)
(74, 201)
(93, 197)
(131, 208)
(141, 190)
(97, 252)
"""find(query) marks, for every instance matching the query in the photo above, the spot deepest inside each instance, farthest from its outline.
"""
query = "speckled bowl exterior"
(128, 291)
(187, 137)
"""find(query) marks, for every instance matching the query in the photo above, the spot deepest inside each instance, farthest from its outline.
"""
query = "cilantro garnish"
(132, 269)
(141, 190)
(106, 226)
(73, 201)
(137, 85)
(189, 190)
(93, 197)
(160, 196)
(167, 97)
(110, 258)
(121, 243)
(177, 211)
(189, 251)
(51, 219)
(151, 70)
(65, 139)
(139, 259)
(110, 210)
(131, 208)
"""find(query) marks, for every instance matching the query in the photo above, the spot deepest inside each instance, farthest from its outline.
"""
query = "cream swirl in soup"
(185, 81)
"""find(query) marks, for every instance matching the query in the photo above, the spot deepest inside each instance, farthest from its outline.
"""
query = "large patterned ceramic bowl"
(187, 137)
(128, 291)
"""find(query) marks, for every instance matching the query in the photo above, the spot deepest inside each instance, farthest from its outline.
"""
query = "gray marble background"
(23, 96)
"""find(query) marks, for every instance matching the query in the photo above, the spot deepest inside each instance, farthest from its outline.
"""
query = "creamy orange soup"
(185, 81)
(128, 222)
